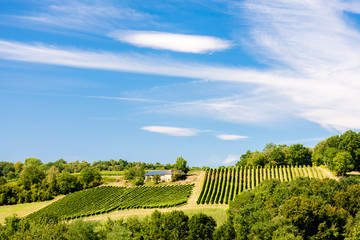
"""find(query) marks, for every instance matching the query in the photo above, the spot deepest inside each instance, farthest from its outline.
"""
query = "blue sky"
(152, 80)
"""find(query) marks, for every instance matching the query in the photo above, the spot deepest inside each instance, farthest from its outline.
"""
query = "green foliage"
(67, 183)
(342, 162)
(6, 168)
(299, 155)
(275, 155)
(82, 230)
(90, 177)
(201, 226)
(33, 161)
(135, 173)
(156, 178)
(31, 174)
(181, 164)
(2, 180)
(225, 231)
(326, 151)
(302, 209)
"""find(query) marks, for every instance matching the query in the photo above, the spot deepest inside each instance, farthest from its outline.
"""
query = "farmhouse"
(165, 176)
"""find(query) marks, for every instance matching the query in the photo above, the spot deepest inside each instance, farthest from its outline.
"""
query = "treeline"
(35, 181)
(10, 170)
(277, 155)
(303, 209)
(339, 153)
(174, 225)
(38, 183)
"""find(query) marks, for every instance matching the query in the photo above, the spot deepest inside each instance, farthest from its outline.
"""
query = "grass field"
(23, 210)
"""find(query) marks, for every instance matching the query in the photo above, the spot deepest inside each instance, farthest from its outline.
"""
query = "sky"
(154, 80)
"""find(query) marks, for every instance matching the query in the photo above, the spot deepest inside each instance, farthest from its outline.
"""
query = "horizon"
(84, 80)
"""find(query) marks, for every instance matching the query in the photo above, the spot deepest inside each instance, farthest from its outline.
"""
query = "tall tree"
(33, 161)
(299, 155)
(342, 162)
(181, 164)
(90, 177)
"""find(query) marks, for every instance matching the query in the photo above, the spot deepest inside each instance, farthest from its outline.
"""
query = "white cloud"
(172, 41)
(173, 131)
(230, 137)
(231, 158)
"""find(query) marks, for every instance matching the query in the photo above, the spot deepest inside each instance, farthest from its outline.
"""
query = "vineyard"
(105, 199)
(221, 185)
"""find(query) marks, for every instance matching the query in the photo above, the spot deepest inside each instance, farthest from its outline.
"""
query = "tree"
(2, 180)
(156, 178)
(82, 230)
(277, 156)
(181, 164)
(51, 178)
(225, 231)
(33, 161)
(201, 226)
(319, 153)
(67, 183)
(31, 175)
(244, 159)
(299, 155)
(342, 163)
(5, 168)
(350, 142)
(90, 177)
(18, 167)
(136, 173)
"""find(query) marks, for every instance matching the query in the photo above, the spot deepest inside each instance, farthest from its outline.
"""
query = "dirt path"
(327, 174)
(196, 190)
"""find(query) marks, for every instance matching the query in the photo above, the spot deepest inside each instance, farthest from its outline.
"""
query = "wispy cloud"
(304, 140)
(159, 65)
(314, 65)
(231, 158)
(241, 108)
(172, 41)
(314, 40)
(128, 99)
(84, 15)
(173, 131)
(230, 137)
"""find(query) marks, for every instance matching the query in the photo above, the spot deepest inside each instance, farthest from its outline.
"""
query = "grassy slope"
(23, 209)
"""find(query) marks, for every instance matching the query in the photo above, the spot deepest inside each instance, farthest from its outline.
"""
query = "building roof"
(152, 173)
(164, 172)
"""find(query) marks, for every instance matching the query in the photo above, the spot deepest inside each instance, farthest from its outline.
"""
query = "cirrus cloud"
(231, 158)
